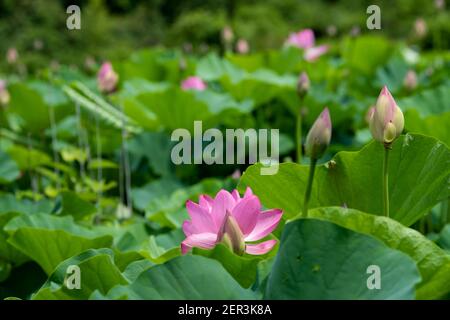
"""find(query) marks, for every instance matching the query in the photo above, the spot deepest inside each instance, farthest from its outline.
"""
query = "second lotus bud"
(386, 120)
(319, 136)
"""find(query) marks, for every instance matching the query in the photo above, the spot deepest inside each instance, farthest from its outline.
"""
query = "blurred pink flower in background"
(12, 55)
(194, 83)
(107, 78)
(231, 220)
(305, 39)
(410, 80)
(227, 34)
(242, 46)
(4, 94)
(313, 53)
(420, 27)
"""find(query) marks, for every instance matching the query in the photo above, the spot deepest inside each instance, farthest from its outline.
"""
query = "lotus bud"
(4, 94)
(227, 34)
(386, 122)
(242, 46)
(107, 78)
(410, 80)
(231, 235)
(303, 84)
(420, 27)
(319, 136)
(12, 55)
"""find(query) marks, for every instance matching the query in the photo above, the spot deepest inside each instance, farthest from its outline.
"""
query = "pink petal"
(306, 38)
(222, 202)
(260, 248)
(312, 54)
(266, 222)
(188, 228)
(206, 201)
(201, 218)
(246, 213)
(248, 192)
(236, 195)
(199, 240)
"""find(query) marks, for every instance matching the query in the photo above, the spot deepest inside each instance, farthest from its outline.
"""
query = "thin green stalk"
(298, 135)
(312, 168)
(386, 182)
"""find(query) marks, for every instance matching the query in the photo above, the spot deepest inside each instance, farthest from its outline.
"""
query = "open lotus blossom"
(386, 119)
(305, 39)
(194, 83)
(107, 78)
(231, 220)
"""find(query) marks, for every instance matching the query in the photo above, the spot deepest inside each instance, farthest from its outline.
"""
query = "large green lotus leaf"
(261, 86)
(49, 240)
(211, 67)
(175, 108)
(364, 54)
(29, 104)
(444, 239)
(163, 247)
(432, 262)
(9, 171)
(321, 260)
(431, 101)
(9, 203)
(28, 158)
(418, 179)
(8, 252)
(155, 147)
(242, 268)
(75, 206)
(97, 272)
(435, 125)
(183, 278)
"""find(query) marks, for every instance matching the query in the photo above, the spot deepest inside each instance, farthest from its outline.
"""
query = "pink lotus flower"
(194, 83)
(231, 220)
(305, 39)
(242, 46)
(107, 78)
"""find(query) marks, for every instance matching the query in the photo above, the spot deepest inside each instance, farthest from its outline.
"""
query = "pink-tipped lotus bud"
(193, 83)
(319, 136)
(369, 114)
(386, 122)
(227, 34)
(12, 55)
(107, 78)
(231, 235)
(410, 80)
(303, 84)
(4, 94)
(242, 46)
(420, 27)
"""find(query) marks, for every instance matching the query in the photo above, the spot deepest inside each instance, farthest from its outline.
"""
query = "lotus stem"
(312, 168)
(386, 181)
(299, 135)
